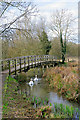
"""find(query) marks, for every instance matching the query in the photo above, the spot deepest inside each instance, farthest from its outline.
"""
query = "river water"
(41, 89)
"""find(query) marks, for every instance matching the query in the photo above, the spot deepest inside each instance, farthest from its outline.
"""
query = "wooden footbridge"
(24, 63)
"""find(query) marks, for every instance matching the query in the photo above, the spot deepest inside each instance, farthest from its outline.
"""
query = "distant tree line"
(37, 47)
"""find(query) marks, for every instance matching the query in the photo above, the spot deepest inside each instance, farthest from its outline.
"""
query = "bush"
(22, 77)
(65, 80)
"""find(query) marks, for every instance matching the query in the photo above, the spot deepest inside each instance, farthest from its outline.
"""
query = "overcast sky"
(47, 7)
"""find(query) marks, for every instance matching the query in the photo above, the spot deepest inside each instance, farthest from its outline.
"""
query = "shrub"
(22, 77)
(65, 80)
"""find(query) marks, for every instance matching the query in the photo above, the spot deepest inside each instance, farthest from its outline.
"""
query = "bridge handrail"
(13, 63)
(27, 57)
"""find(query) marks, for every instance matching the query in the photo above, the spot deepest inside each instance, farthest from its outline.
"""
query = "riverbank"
(16, 105)
(65, 80)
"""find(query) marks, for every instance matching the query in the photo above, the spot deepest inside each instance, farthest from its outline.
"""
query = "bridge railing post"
(44, 57)
(9, 67)
(15, 65)
(48, 57)
(35, 60)
(20, 63)
(32, 60)
(24, 63)
(2, 65)
(28, 62)
(40, 58)
(52, 58)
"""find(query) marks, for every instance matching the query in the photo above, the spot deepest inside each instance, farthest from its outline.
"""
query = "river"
(41, 89)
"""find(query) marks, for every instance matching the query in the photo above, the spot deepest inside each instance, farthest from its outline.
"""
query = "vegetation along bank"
(65, 80)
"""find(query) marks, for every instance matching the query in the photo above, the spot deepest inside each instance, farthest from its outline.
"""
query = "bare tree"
(24, 8)
(61, 25)
(9, 25)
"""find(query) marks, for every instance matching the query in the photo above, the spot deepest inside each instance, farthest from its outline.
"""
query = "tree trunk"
(63, 48)
(63, 58)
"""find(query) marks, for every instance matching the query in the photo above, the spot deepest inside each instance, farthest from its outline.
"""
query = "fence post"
(20, 64)
(9, 67)
(15, 65)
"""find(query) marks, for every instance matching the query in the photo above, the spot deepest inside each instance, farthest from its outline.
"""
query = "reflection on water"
(41, 89)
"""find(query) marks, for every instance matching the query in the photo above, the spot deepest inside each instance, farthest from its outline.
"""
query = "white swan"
(35, 79)
(31, 82)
